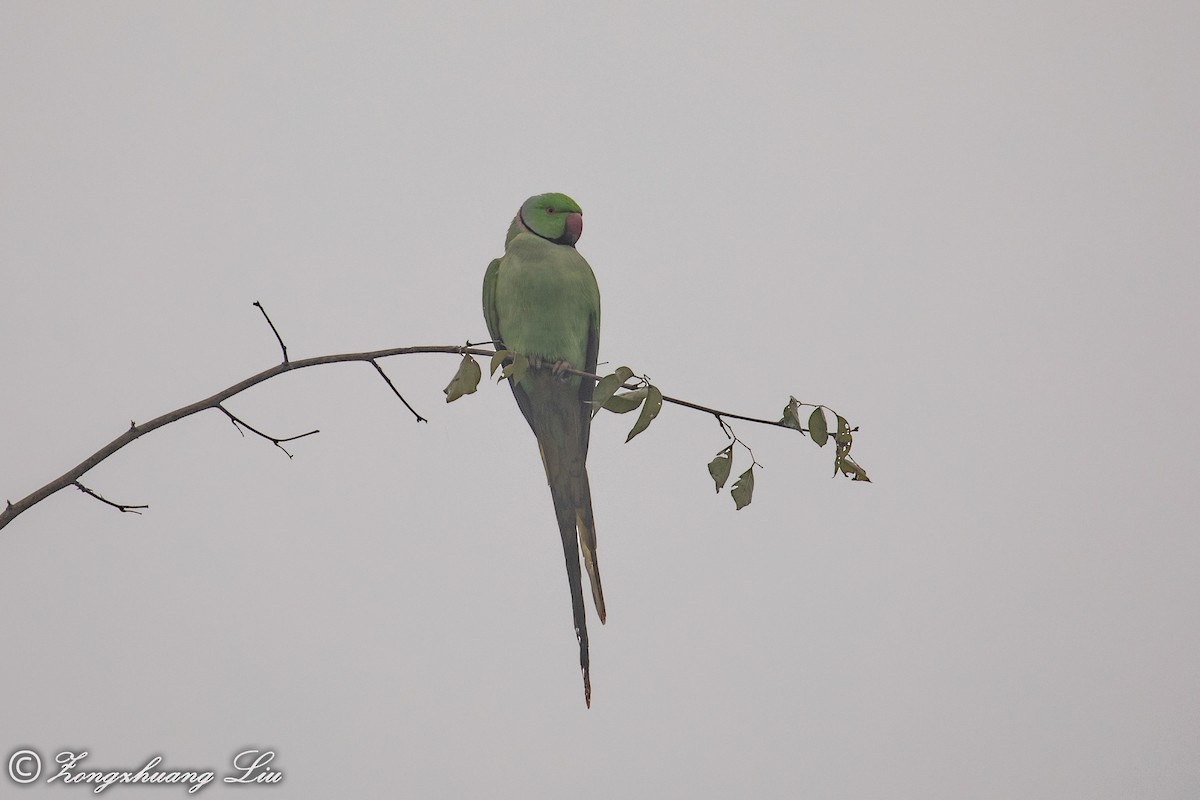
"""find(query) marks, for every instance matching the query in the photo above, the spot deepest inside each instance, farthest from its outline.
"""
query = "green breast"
(547, 300)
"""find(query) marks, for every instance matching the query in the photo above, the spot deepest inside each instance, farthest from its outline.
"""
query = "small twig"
(753, 460)
(396, 391)
(272, 439)
(727, 429)
(279, 338)
(126, 509)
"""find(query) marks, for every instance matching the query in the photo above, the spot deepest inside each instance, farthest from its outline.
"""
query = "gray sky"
(969, 227)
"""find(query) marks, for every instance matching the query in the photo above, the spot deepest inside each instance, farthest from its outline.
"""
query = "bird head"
(553, 216)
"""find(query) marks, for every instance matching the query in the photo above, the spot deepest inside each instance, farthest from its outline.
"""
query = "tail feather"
(564, 510)
(587, 541)
(558, 427)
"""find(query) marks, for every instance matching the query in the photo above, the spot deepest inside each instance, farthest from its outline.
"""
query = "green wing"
(490, 315)
(586, 385)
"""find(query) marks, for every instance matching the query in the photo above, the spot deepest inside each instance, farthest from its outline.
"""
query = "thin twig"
(126, 509)
(383, 375)
(241, 423)
(727, 429)
(279, 338)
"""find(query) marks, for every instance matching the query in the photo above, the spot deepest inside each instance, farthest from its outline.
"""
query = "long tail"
(573, 509)
(564, 509)
(559, 423)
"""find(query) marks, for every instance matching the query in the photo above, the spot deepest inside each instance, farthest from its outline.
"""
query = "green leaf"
(817, 427)
(515, 371)
(626, 401)
(743, 490)
(791, 415)
(842, 452)
(650, 410)
(465, 380)
(843, 438)
(719, 467)
(848, 467)
(607, 386)
(497, 360)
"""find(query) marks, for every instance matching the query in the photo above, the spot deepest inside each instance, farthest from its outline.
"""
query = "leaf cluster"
(622, 391)
(818, 431)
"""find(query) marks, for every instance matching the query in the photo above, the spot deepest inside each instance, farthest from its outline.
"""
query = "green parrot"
(540, 299)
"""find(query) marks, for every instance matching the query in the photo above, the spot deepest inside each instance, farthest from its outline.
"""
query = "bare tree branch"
(135, 431)
(71, 477)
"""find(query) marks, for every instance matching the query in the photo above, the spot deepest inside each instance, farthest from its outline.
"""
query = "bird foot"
(558, 369)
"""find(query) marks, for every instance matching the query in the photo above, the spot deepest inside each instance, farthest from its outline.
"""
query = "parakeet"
(540, 299)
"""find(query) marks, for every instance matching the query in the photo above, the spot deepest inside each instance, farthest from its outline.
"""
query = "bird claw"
(558, 369)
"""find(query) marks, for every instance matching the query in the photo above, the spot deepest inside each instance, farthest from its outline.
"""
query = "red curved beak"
(573, 229)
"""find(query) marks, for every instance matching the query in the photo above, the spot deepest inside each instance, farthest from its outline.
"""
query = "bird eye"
(549, 210)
